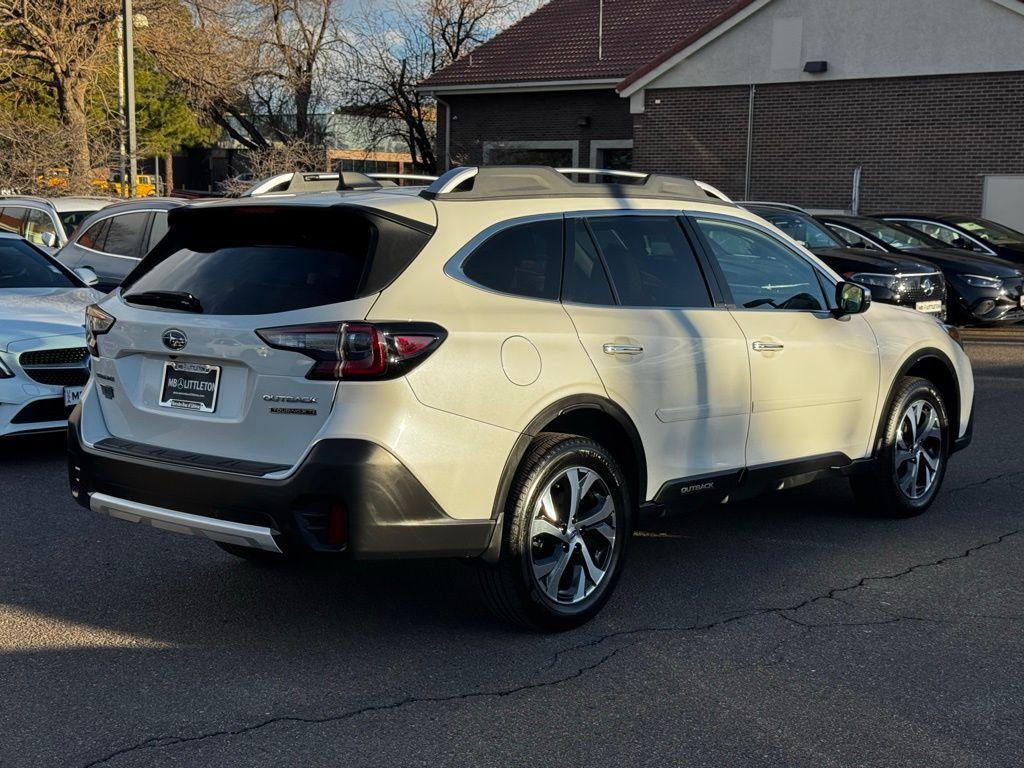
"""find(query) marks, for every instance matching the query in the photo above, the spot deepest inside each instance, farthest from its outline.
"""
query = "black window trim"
(825, 280)
(453, 268)
(101, 219)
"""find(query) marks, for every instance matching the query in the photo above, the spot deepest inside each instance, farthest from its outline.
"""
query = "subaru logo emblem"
(928, 286)
(174, 339)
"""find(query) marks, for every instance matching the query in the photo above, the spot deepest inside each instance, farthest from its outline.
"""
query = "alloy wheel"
(572, 536)
(919, 450)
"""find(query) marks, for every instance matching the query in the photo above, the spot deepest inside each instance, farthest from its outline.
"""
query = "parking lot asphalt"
(789, 631)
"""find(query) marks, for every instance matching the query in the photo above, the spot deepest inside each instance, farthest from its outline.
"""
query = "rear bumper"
(387, 512)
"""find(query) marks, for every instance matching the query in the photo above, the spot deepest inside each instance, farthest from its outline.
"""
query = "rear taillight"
(358, 350)
(97, 322)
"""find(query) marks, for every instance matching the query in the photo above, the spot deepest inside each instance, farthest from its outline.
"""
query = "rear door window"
(125, 233)
(523, 260)
(650, 261)
(586, 281)
(255, 260)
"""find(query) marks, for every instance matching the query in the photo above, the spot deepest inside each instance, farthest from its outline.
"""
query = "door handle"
(767, 346)
(623, 349)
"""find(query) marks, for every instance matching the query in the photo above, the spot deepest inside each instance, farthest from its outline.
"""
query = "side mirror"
(48, 239)
(87, 276)
(852, 299)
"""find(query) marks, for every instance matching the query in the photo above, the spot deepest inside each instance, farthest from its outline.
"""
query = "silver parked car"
(43, 357)
(112, 241)
(47, 222)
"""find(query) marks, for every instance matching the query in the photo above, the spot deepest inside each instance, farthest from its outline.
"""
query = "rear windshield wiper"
(180, 300)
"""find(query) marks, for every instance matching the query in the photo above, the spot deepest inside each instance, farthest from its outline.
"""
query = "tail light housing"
(358, 350)
(97, 322)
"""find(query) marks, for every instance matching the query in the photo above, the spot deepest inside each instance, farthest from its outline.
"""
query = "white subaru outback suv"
(508, 366)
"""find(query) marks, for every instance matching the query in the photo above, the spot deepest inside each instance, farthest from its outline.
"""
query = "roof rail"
(500, 182)
(402, 176)
(305, 182)
(784, 206)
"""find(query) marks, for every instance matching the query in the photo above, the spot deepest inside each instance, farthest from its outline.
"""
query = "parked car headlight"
(871, 278)
(5, 372)
(981, 281)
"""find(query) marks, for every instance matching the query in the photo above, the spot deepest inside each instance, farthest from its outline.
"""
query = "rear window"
(255, 260)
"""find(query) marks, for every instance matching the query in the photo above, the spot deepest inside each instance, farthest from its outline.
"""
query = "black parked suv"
(968, 233)
(893, 278)
(982, 289)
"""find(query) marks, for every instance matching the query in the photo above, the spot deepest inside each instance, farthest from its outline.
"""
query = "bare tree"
(400, 45)
(59, 44)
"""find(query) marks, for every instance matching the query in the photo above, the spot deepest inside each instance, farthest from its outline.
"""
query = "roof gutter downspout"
(447, 149)
(600, 30)
(750, 143)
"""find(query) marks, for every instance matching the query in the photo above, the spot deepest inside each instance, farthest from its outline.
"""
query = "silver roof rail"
(402, 176)
(767, 203)
(305, 182)
(522, 181)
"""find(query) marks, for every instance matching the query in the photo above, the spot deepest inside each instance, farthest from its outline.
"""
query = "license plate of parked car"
(192, 386)
(929, 306)
(72, 395)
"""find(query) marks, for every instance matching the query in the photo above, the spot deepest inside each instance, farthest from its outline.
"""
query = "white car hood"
(34, 313)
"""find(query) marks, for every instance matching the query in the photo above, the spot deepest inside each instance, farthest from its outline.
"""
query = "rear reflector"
(337, 526)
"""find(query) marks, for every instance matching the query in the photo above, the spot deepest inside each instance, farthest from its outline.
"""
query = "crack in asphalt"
(782, 611)
(635, 634)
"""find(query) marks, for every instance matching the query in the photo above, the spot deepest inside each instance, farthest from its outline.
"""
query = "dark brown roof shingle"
(559, 41)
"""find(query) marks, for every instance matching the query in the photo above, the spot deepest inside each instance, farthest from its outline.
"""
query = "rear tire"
(562, 549)
(910, 463)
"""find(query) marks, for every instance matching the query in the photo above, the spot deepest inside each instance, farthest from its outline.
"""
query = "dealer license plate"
(934, 307)
(191, 386)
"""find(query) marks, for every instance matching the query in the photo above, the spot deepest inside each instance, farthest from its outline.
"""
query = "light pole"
(128, 80)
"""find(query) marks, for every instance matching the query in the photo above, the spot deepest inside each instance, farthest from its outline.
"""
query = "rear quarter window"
(523, 260)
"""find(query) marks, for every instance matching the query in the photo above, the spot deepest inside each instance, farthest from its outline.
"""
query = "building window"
(557, 154)
(613, 155)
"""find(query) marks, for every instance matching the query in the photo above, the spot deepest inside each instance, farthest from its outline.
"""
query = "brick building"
(765, 99)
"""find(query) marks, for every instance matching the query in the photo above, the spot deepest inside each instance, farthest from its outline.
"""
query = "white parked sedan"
(43, 357)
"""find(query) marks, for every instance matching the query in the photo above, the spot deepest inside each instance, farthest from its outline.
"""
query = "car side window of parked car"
(21, 266)
(11, 218)
(586, 281)
(948, 235)
(37, 225)
(760, 271)
(650, 261)
(157, 230)
(93, 237)
(125, 234)
(523, 260)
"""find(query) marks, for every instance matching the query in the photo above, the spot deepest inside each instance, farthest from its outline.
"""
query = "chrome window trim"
(101, 219)
(964, 235)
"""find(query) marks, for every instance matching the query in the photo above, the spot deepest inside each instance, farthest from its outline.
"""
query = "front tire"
(910, 463)
(567, 527)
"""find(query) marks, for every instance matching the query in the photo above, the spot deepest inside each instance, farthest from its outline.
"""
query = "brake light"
(358, 350)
